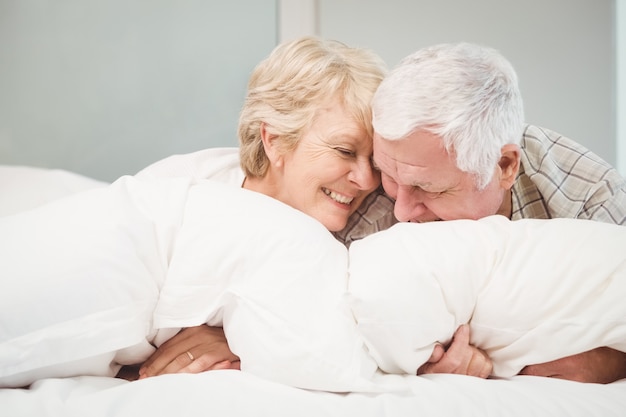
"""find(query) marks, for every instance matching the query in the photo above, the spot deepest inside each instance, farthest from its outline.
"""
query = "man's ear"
(509, 165)
(271, 146)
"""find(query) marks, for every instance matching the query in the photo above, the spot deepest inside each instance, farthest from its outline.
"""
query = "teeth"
(338, 197)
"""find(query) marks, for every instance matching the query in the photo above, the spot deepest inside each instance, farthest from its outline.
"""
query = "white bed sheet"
(233, 393)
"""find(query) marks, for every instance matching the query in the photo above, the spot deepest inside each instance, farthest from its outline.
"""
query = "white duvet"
(92, 280)
(532, 290)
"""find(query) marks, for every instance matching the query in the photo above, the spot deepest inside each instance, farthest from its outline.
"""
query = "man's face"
(424, 180)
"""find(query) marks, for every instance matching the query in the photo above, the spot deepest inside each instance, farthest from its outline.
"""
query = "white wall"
(297, 18)
(620, 14)
(106, 87)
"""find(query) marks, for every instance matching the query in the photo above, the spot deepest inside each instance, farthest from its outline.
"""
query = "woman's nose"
(364, 175)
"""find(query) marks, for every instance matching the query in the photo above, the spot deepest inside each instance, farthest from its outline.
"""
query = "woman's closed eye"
(345, 151)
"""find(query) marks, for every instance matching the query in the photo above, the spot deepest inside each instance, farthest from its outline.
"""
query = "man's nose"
(409, 203)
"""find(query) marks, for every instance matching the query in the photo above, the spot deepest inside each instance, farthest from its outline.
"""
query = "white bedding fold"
(81, 277)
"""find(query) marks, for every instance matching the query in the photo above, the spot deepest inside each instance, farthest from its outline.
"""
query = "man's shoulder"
(553, 154)
(561, 178)
(547, 140)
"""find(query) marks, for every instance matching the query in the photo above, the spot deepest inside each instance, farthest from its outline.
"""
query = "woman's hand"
(192, 350)
(459, 358)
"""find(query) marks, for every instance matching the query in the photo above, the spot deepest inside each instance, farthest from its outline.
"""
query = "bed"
(269, 387)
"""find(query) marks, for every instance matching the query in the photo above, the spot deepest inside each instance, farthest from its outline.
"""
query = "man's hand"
(460, 358)
(192, 350)
(602, 365)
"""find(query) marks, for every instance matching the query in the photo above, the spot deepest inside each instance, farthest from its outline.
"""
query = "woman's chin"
(334, 224)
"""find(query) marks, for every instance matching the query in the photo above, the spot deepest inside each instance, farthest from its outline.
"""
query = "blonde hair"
(299, 77)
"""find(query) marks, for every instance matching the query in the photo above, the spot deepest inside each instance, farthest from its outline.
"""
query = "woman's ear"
(270, 145)
(509, 165)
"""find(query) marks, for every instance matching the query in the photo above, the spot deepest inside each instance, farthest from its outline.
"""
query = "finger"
(177, 365)
(167, 360)
(435, 357)
(461, 338)
(457, 357)
(480, 364)
(208, 362)
(225, 365)
(487, 366)
(487, 369)
(169, 352)
(179, 362)
(427, 368)
(438, 352)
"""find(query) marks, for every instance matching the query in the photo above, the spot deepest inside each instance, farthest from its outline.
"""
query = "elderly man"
(451, 143)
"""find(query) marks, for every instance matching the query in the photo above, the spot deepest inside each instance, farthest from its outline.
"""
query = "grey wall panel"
(104, 88)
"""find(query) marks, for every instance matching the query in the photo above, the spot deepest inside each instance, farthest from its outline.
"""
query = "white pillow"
(532, 290)
(24, 187)
(275, 278)
(80, 278)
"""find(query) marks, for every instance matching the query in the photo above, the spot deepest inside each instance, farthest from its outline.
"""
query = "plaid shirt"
(560, 178)
(374, 214)
(557, 178)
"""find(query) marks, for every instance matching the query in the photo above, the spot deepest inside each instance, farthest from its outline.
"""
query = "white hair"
(467, 94)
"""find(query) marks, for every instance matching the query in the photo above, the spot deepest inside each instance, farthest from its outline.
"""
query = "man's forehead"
(402, 152)
(421, 162)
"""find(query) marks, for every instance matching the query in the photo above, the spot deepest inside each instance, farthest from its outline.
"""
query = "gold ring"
(191, 358)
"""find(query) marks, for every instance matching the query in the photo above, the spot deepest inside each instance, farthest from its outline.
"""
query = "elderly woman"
(305, 138)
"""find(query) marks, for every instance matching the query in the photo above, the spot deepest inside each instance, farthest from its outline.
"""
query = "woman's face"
(329, 173)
